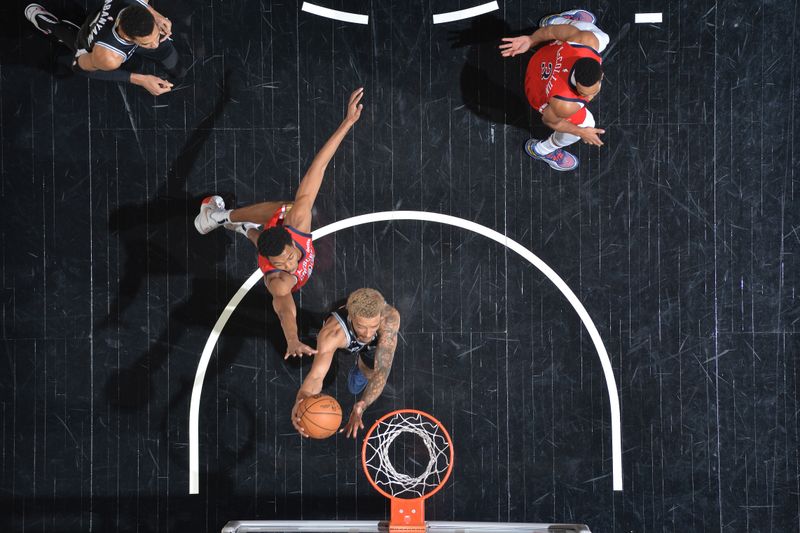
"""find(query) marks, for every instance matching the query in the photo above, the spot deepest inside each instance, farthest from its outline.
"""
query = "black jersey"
(100, 29)
(365, 350)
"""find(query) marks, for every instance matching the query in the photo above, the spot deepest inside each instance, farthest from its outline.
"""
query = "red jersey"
(549, 72)
(303, 243)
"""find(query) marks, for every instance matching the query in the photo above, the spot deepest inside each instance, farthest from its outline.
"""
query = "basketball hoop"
(407, 492)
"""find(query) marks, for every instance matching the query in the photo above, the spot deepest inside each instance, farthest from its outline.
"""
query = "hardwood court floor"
(680, 237)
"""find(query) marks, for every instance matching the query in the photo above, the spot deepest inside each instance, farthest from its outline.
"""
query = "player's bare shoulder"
(390, 320)
(105, 59)
(331, 335)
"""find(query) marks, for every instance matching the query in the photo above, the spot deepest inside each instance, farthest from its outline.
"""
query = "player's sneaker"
(560, 160)
(37, 14)
(203, 221)
(578, 15)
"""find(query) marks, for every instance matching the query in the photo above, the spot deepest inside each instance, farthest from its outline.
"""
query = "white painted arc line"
(344, 16)
(648, 18)
(605, 362)
(461, 14)
(197, 388)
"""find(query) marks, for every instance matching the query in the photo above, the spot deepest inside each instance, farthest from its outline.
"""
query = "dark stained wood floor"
(680, 236)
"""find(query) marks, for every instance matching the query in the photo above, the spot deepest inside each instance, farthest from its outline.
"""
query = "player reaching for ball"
(281, 232)
(366, 327)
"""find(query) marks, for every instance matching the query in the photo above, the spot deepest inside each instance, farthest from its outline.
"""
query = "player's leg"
(356, 380)
(581, 19)
(245, 220)
(44, 21)
(551, 150)
(260, 213)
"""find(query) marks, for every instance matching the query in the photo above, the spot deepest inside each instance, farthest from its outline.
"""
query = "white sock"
(221, 217)
(545, 147)
(244, 227)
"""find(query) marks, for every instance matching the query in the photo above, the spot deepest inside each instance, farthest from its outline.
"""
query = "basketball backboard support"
(371, 526)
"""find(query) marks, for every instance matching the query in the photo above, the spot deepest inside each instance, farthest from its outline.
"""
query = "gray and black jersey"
(365, 350)
(100, 29)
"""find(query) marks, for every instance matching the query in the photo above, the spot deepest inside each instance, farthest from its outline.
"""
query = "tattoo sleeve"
(384, 355)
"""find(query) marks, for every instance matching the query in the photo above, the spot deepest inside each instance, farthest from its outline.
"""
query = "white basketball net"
(382, 470)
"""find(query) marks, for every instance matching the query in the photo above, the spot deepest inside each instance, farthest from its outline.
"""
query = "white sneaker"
(236, 227)
(242, 227)
(577, 15)
(203, 221)
(35, 10)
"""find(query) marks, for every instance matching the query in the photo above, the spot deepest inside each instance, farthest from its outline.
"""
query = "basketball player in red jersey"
(367, 328)
(562, 77)
(281, 232)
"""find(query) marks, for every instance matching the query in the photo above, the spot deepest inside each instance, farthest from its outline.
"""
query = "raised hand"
(298, 349)
(164, 27)
(354, 423)
(515, 45)
(354, 107)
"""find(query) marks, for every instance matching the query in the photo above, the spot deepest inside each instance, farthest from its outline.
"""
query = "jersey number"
(547, 69)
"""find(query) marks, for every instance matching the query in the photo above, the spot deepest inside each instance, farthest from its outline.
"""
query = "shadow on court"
(492, 87)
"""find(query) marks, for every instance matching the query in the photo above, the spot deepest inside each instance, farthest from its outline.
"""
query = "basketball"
(320, 415)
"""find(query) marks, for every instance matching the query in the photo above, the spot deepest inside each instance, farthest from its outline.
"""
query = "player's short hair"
(365, 303)
(136, 21)
(272, 241)
(587, 71)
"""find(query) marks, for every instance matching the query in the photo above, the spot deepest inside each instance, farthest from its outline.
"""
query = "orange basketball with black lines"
(320, 415)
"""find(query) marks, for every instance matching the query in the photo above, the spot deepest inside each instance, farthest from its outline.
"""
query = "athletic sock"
(244, 227)
(221, 217)
(545, 147)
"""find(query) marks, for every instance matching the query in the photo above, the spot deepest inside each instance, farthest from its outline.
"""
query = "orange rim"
(369, 434)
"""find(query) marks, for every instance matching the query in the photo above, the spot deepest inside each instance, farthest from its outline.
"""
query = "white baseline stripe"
(308, 7)
(462, 14)
(605, 362)
(645, 18)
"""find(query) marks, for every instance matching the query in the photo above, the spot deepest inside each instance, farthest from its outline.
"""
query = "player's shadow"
(156, 235)
(254, 319)
(491, 85)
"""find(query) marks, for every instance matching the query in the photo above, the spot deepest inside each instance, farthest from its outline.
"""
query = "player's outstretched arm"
(384, 356)
(329, 339)
(300, 215)
(280, 286)
(513, 46)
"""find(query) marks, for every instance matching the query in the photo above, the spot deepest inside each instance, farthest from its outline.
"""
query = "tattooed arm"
(384, 355)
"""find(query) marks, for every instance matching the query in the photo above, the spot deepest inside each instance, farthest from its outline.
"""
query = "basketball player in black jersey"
(367, 328)
(110, 36)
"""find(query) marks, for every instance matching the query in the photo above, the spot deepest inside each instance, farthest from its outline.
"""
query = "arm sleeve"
(105, 75)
